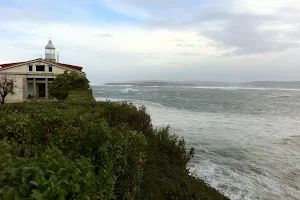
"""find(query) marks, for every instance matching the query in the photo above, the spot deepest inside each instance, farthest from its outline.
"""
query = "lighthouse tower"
(50, 52)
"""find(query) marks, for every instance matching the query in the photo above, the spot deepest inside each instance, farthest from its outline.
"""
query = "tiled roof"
(56, 63)
(66, 65)
(10, 64)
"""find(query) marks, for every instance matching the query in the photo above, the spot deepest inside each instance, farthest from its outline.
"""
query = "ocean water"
(246, 140)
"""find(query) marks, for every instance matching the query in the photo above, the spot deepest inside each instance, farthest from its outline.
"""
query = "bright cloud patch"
(173, 39)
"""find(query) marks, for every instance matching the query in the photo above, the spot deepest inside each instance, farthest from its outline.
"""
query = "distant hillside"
(254, 84)
(272, 84)
(154, 83)
(172, 83)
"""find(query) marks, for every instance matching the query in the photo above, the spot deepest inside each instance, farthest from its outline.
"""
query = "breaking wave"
(246, 155)
(126, 90)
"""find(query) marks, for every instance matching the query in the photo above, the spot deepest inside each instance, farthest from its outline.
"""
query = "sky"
(180, 40)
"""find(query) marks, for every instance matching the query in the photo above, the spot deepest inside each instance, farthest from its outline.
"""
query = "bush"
(66, 82)
(49, 175)
(79, 130)
(115, 143)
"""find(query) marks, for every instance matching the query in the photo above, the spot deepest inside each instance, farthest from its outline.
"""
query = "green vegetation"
(66, 82)
(82, 149)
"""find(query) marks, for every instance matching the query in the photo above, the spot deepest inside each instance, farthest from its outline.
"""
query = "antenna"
(57, 60)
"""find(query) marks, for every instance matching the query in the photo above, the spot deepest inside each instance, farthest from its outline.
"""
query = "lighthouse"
(50, 52)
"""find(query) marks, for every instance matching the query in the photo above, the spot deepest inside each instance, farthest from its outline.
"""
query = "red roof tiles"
(66, 65)
(56, 63)
(10, 64)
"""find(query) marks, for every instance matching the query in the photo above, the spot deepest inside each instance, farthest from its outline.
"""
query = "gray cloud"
(185, 45)
(104, 35)
(272, 36)
(24, 45)
(155, 4)
(228, 29)
(178, 40)
(245, 32)
(189, 54)
(18, 14)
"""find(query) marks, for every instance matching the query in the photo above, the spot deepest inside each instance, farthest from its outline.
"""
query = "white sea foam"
(279, 96)
(242, 164)
(208, 87)
(126, 90)
(110, 99)
(244, 154)
(120, 85)
(242, 88)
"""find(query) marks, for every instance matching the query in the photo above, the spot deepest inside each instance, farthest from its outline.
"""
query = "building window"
(50, 68)
(30, 68)
(40, 68)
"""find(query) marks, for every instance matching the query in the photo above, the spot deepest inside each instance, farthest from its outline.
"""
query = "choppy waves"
(238, 155)
(242, 88)
(244, 154)
(126, 90)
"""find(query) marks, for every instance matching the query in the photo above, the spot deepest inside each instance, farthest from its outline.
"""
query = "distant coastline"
(252, 84)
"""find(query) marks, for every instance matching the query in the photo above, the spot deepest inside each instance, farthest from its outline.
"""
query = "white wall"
(25, 69)
(19, 69)
(57, 70)
(18, 96)
(24, 72)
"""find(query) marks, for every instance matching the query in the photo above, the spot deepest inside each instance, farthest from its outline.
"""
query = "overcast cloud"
(124, 40)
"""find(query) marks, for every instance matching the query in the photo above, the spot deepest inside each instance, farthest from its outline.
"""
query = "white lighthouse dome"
(50, 52)
(50, 45)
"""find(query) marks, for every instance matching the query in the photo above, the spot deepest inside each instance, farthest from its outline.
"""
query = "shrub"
(113, 142)
(80, 130)
(66, 82)
(49, 175)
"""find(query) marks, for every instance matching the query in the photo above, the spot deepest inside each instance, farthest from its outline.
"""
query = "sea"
(246, 140)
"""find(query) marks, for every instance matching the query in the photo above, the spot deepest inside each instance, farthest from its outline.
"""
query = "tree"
(7, 86)
(66, 82)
